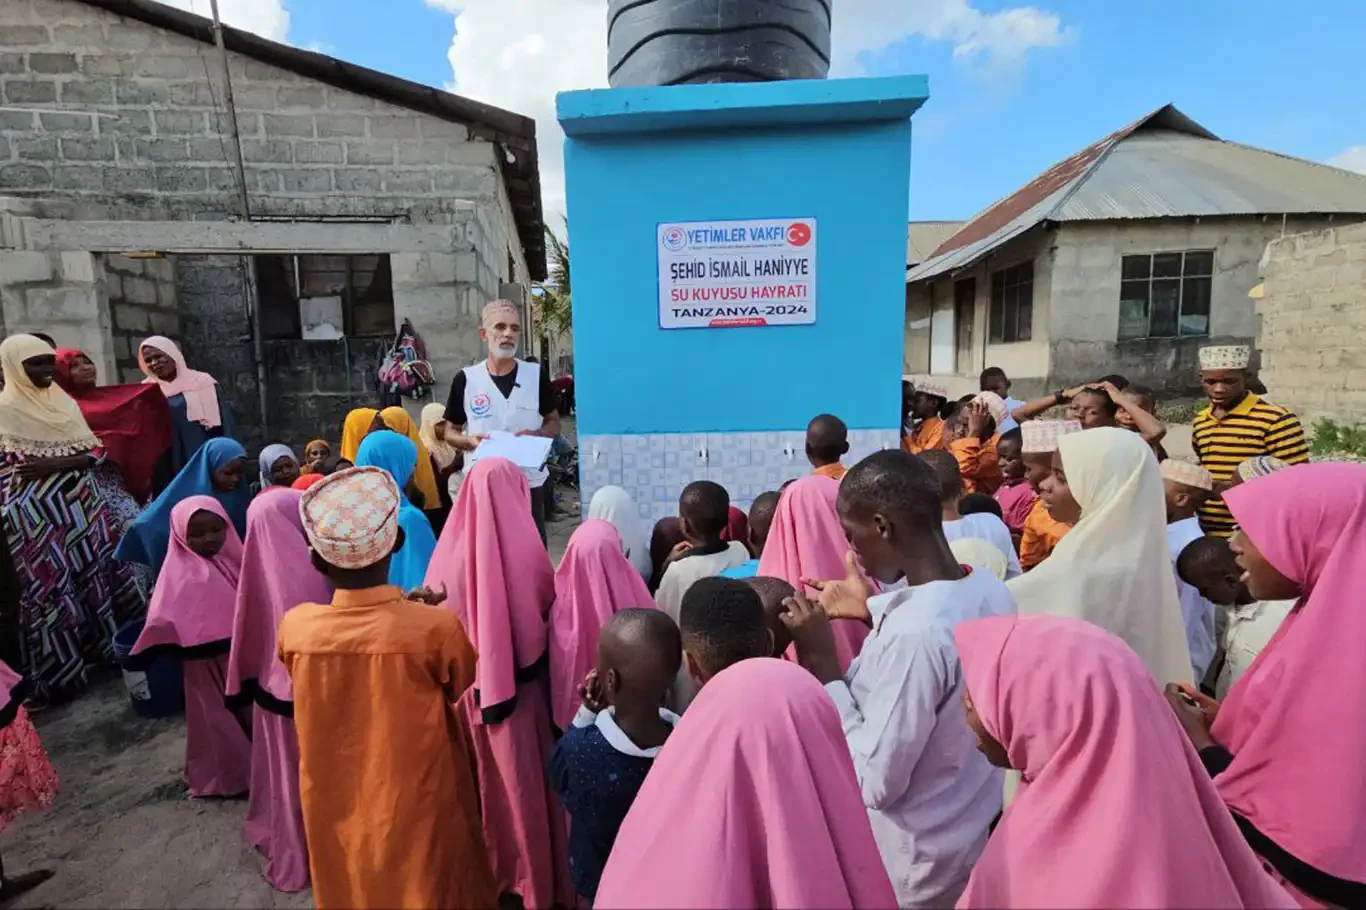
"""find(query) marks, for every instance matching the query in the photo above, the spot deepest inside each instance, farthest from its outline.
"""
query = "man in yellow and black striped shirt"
(1236, 426)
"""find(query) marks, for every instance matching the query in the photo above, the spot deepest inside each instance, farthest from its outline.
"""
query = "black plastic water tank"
(672, 42)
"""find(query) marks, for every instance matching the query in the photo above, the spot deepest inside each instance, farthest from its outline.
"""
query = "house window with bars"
(1012, 304)
(325, 297)
(1165, 295)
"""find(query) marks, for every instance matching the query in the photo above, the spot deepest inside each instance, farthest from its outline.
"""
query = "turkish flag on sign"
(799, 234)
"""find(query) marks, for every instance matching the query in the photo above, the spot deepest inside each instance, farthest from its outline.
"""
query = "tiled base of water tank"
(655, 468)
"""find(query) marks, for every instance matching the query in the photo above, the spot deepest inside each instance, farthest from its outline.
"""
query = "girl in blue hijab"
(398, 455)
(216, 470)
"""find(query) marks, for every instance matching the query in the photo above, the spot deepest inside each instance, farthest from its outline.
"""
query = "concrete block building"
(371, 199)
(1313, 310)
(1124, 258)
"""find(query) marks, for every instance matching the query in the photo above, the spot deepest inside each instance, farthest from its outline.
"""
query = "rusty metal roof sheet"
(1164, 165)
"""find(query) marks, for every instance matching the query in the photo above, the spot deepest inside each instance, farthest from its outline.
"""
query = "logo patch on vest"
(480, 405)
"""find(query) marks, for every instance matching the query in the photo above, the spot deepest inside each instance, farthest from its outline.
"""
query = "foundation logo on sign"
(480, 405)
(675, 239)
(734, 273)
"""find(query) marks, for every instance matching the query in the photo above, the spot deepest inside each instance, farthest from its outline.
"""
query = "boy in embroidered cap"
(1041, 533)
(1186, 486)
(1237, 425)
(375, 678)
(927, 409)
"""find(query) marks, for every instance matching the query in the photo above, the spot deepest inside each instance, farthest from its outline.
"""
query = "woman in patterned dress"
(72, 595)
(133, 425)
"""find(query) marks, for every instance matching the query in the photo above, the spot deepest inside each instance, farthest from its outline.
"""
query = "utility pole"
(248, 273)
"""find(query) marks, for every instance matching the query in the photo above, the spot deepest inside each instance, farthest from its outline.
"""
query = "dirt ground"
(122, 832)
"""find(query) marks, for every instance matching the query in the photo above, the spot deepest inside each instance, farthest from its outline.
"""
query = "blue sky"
(1014, 87)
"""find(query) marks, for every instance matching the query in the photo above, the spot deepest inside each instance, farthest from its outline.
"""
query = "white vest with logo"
(486, 409)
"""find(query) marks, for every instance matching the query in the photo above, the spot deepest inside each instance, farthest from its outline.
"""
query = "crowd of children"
(947, 674)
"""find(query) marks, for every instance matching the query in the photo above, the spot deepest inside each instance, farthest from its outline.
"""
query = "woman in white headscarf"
(613, 504)
(1113, 568)
(279, 466)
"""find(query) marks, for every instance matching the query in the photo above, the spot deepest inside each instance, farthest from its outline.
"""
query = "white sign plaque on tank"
(723, 274)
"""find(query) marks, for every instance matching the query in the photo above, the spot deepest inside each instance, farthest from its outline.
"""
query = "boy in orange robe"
(385, 770)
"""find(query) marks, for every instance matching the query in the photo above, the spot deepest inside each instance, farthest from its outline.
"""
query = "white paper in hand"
(528, 452)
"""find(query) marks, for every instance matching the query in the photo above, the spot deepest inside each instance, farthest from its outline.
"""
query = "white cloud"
(1352, 158)
(267, 18)
(517, 54)
(998, 41)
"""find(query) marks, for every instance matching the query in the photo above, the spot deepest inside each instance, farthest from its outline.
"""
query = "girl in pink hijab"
(275, 578)
(499, 581)
(805, 541)
(752, 803)
(594, 581)
(1113, 809)
(1287, 746)
(192, 614)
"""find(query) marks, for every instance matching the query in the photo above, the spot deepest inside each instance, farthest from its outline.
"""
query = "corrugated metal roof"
(924, 237)
(1164, 174)
(1164, 165)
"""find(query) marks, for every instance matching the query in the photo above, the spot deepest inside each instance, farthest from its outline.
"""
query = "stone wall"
(58, 293)
(1313, 339)
(310, 384)
(142, 123)
(1086, 285)
(142, 299)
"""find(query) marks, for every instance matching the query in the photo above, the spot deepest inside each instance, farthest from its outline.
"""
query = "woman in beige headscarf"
(71, 594)
(447, 460)
(1113, 569)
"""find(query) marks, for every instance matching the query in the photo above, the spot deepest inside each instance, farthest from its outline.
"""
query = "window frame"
(349, 293)
(1181, 281)
(1007, 283)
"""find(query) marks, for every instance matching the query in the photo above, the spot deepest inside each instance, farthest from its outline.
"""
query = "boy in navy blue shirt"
(600, 764)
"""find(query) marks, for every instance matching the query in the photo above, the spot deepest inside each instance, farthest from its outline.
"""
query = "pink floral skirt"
(27, 779)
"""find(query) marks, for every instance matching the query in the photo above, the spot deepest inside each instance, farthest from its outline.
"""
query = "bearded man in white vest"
(504, 393)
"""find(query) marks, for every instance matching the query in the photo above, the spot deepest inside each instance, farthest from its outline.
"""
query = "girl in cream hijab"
(1112, 569)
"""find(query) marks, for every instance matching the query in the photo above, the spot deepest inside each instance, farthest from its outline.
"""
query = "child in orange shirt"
(971, 437)
(1039, 440)
(927, 408)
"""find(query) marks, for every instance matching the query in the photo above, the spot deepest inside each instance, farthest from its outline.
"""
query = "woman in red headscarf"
(133, 422)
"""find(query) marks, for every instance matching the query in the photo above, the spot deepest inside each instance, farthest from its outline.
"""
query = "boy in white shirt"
(1187, 486)
(982, 525)
(931, 795)
(703, 510)
(1208, 565)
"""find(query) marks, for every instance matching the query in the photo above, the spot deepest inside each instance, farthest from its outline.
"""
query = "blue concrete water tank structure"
(810, 179)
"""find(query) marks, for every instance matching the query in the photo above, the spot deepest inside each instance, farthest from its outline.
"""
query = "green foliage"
(1179, 410)
(553, 304)
(1332, 438)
